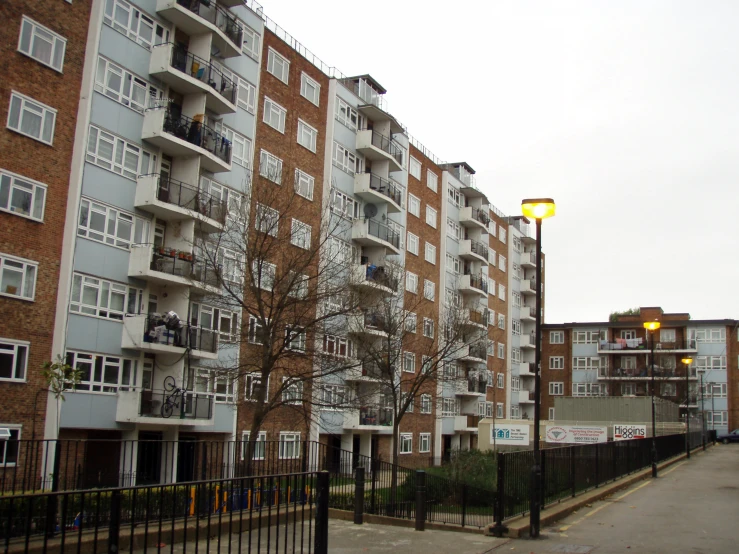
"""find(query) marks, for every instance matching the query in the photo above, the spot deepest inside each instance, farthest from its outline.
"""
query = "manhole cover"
(571, 548)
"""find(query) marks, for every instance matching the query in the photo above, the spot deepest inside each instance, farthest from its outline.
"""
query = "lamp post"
(703, 415)
(651, 327)
(538, 209)
(687, 360)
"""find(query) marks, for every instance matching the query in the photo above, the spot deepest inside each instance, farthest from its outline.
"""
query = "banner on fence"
(576, 434)
(515, 435)
(628, 431)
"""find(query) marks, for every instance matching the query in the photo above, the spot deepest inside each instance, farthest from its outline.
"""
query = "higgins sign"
(576, 434)
(628, 431)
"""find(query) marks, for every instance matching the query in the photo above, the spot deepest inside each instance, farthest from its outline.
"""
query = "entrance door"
(149, 462)
(446, 448)
(186, 458)
(333, 459)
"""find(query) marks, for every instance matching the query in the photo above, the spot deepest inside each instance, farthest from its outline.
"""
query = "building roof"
(367, 77)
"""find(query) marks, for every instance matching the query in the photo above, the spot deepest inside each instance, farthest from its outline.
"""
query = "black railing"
(203, 70)
(383, 232)
(645, 346)
(645, 372)
(477, 385)
(379, 275)
(190, 197)
(375, 416)
(176, 404)
(183, 264)
(183, 335)
(480, 215)
(215, 14)
(373, 319)
(385, 187)
(197, 133)
(388, 146)
(478, 282)
(478, 351)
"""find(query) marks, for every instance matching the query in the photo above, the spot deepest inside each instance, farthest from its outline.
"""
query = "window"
(501, 351)
(259, 445)
(346, 114)
(233, 200)
(406, 443)
(502, 262)
(42, 44)
(295, 338)
(411, 282)
(432, 181)
(111, 226)
(412, 244)
(250, 46)
(409, 362)
(222, 321)
(253, 387)
(266, 220)
(264, 274)
(133, 23)
(501, 321)
(343, 205)
(292, 392)
(344, 159)
(240, 146)
(338, 346)
(595, 362)
(453, 230)
(410, 322)
(414, 168)
(667, 335)
(453, 264)
(714, 390)
(289, 446)
(556, 337)
(22, 196)
(299, 286)
(274, 115)
(117, 155)
(491, 228)
(332, 396)
(300, 234)
(414, 205)
(270, 167)
(716, 334)
(556, 362)
(257, 333)
(515, 412)
(556, 389)
(429, 290)
(516, 244)
(101, 373)
(515, 355)
(404, 399)
(455, 197)
(124, 87)
(516, 299)
(31, 118)
(707, 363)
(668, 389)
(501, 381)
(307, 135)
(551, 414)
(13, 360)
(450, 406)
(515, 384)
(425, 403)
(499, 410)
(431, 216)
(430, 253)
(246, 94)
(492, 257)
(217, 385)
(585, 337)
(9, 448)
(310, 89)
(424, 443)
(17, 277)
(501, 292)
(99, 298)
(278, 66)
(304, 184)
(428, 327)
(717, 418)
(501, 235)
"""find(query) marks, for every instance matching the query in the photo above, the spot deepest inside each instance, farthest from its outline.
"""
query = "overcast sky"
(624, 112)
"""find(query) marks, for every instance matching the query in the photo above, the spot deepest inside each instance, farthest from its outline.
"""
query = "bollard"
(420, 500)
(359, 496)
(114, 527)
(321, 536)
(499, 528)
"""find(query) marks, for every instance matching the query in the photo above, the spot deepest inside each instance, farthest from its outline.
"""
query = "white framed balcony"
(474, 285)
(526, 341)
(374, 279)
(195, 18)
(368, 324)
(466, 423)
(528, 260)
(147, 334)
(474, 353)
(470, 249)
(525, 397)
(526, 369)
(474, 218)
(379, 148)
(145, 406)
(370, 419)
(187, 73)
(528, 286)
(526, 313)
(173, 200)
(171, 267)
(369, 232)
(377, 190)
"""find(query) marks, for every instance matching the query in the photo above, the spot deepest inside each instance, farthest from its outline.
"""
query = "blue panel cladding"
(109, 188)
(118, 119)
(93, 334)
(107, 262)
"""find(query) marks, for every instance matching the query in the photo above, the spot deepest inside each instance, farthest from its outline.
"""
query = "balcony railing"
(645, 372)
(478, 351)
(476, 247)
(478, 317)
(183, 335)
(375, 416)
(385, 187)
(378, 274)
(205, 71)
(477, 385)
(195, 132)
(641, 344)
(478, 281)
(190, 197)
(383, 232)
(215, 14)
(386, 145)
(375, 371)
(374, 320)
(183, 264)
(480, 215)
(186, 405)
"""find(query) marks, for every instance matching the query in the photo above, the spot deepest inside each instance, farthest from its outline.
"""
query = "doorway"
(149, 461)
(186, 458)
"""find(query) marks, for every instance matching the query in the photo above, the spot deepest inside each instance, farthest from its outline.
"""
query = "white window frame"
(429, 290)
(344, 159)
(501, 321)
(346, 115)
(556, 388)
(250, 381)
(556, 362)
(266, 219)
(428, 327)
(454, 196)
(414, 205)
(412, 244)
(135, 16)
(501, 292)
(18, 352)
(304, 184)
(453, 229)
(264, 274)
(501, 351)
(430, 253)
(300, 234)
(29, 271)
(409, 362)
(551, 414)
(332, 397)
(270, 167)
(246, 94)
(502, 263)
(414, 168)
(274, 115)
(18, 187)
(98, 382)
(432, 180)
(426, 404)
(29, 107)
(499, 410)
(406, 443)
(424, 443)
(556, 337)
(13, 428)
(128, 83)
(259, 445)
(36, 32)
(310, 89)
(501, 381)
(251, 43)
(411, 322)
(291, 452)
(295, 338)
(338, 346)
(278, 65)
(431, 216)
(292, 391)
(502, 235)
(307, 136)
(105, 291)
(146, 162)
(343, 205)
(240, 146)
(411, 282)
(115, 218)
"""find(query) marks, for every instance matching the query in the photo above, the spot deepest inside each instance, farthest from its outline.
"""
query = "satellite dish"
(370, 211)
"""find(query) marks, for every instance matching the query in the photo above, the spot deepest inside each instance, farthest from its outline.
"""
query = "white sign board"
(576, 434)
(628, 431)
(516, 435)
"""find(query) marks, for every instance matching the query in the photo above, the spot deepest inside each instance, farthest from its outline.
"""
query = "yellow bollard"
(192, 501)
(225, 501)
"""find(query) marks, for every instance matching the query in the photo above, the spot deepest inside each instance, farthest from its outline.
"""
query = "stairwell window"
(133, 23)
(31, 118)
(278, 66)
(13, 360)
(304, 184)
(310, 89)
(17, 277)
(289, 446)
(240, 146)
(406, 443)
(270, 167)
(250, 46)
(274, 115)
(292, 392)
(22, 196)
(556, 389)
(259, 445)
(307, 135)
(41, 44)
(300, 234)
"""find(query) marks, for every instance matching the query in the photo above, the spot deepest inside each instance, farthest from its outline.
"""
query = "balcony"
(145, 406)
(527, 341)
(373, 188)
(466, 423)
(528, 286)
(371, 324)
(524, 397)
(169, 266)
(369, 419)
(626, 346)
(474, 318)
(149, 333)
(645, 373)
(173, 200)
(379, 148)
(473, 250)
(527, 369)
(526, 313)
(473, 284)
(692, 401)
(475, 353)
(372, 278)
(474, 218)
(195, 17)
(528, 260)
(367, 372)
(369, 232)
(181, 136)
(187, 73)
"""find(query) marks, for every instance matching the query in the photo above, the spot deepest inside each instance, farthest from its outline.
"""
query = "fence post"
(359, 496)
(543, 487)
(421, 500)
(596, 464)
(320, 545)
(51, 504)
(573, 482)
(498, 529)
(464, 503)
(373, 472)
(114, 528)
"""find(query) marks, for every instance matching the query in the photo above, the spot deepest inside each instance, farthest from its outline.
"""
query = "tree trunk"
(394, 470)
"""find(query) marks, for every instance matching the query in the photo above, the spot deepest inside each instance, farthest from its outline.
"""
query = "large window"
(453, 229)
(13, 360)
(310, 89)
(430, 253)
(250, 46)
(406, 443)
(218, 385)
(304, 184)
(300, 234)
(31, 118)
(556, 389)
(714, 334)
(137, 26)
(22, 196)
(42, 44)
(267, 220)
(289, 446)
(707, 363)
(346, 160)
(585, 337)
(117, 155)
(123, 86)
(100, 298)
(332, 396)
(274, 115)
(343, 205)
(259, 445)
(414, 168)
(17, 277)
(9, 447)
(102, 373)
(307, 135)
(338, 346)
(111, 226)
(270, 166)
(222, 321)
(240, 145)
(278, 65)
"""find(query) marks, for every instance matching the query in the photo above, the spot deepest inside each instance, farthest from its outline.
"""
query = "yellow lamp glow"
(538, 208)
(687, 361)
(651, 325)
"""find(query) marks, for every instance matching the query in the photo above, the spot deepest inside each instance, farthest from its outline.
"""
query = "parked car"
(729, 437)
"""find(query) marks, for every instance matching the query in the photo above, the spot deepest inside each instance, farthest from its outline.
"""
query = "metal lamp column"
(651, 327)
(687, 360)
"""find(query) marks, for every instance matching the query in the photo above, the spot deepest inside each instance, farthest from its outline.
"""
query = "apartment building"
(612, 358)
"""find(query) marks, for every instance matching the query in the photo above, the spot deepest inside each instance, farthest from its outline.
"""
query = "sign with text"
(628, 431)
(576, 434)
(515, 435)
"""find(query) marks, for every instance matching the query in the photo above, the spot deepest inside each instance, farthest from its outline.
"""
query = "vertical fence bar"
(359, 496)
(464, 503)
(596, 464)
(573, 483)
(51, 507)
(499, 510)
(114, 527)
(421, 500)
(322, 492)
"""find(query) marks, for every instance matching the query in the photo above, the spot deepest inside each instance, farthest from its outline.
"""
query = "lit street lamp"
(651, 327)
(687, 360)
(538, 209)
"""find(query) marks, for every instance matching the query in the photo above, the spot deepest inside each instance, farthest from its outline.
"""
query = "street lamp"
(703, 412)
(651, 327)
(538, 209)
(687, 360)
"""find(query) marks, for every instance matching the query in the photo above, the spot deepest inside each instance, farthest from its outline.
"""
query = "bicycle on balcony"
(173, 399)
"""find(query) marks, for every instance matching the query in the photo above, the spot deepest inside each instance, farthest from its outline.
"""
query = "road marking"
(674, 468)
(599, 508)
